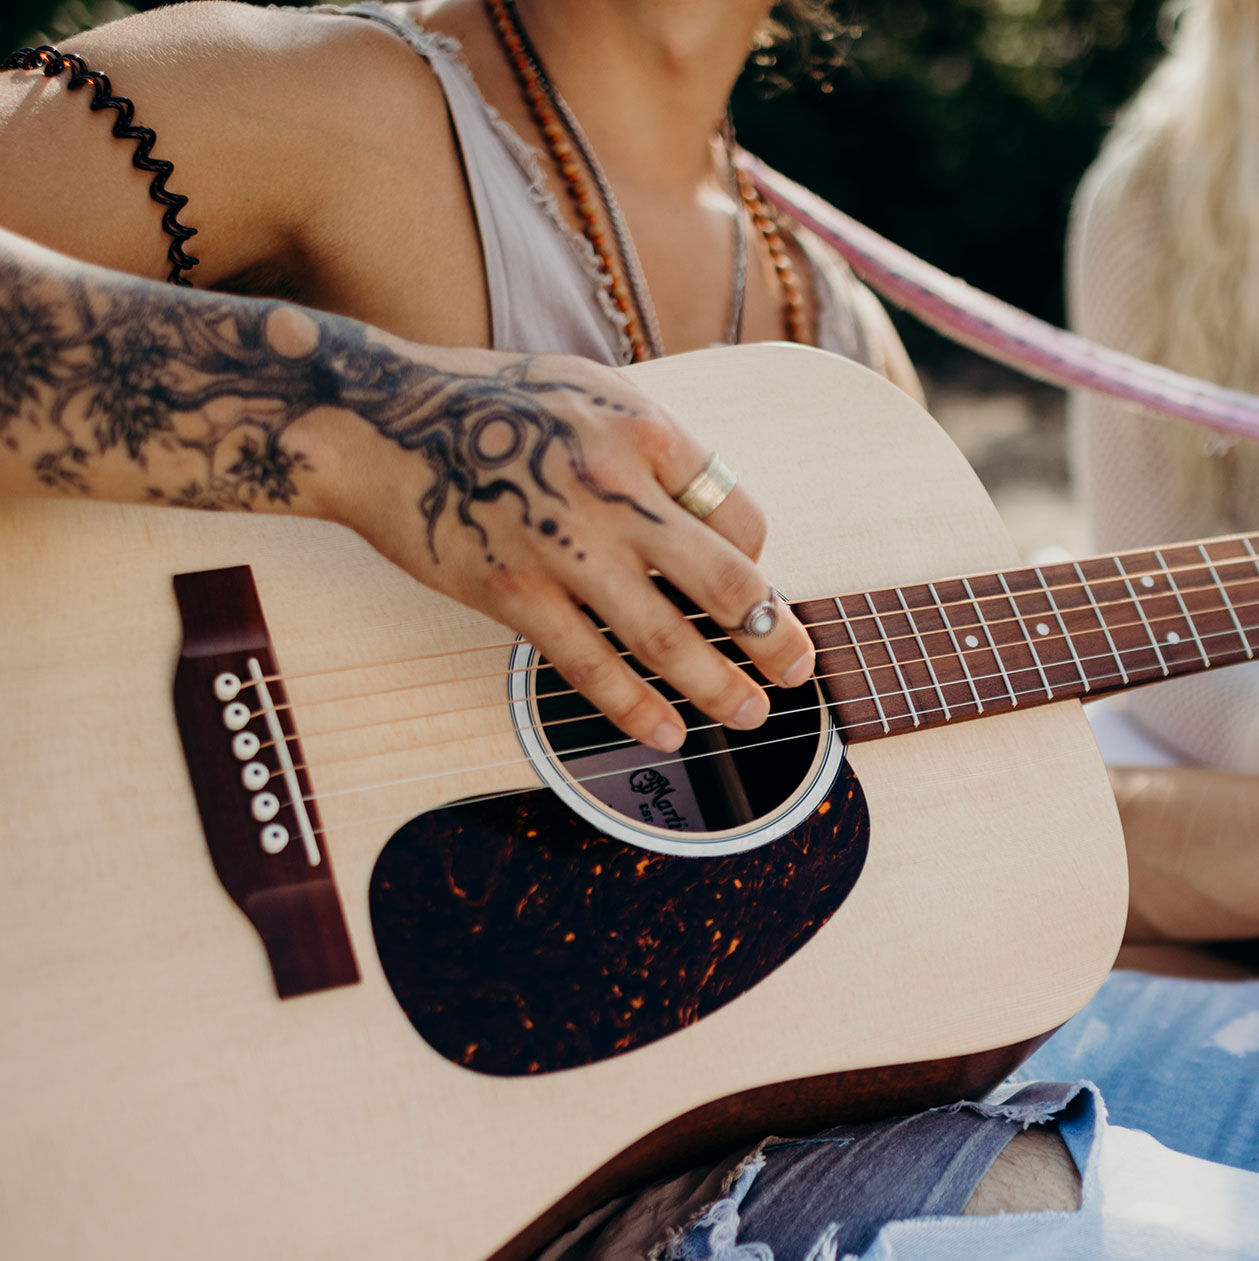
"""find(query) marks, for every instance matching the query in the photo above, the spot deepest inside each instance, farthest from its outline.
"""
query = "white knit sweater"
(1122, 460)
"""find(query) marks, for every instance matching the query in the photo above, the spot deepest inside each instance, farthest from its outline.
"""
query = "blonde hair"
(1192, 141)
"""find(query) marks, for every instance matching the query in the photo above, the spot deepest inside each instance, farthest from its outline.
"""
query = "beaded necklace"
(570, 150)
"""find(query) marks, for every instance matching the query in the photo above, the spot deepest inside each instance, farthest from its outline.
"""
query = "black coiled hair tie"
(53, 62)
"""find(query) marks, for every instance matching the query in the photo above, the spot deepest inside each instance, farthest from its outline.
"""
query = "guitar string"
(876, 697)
(668, 759)
(1246, 560)
(1133, 576)
(886, 642)
(664, 760)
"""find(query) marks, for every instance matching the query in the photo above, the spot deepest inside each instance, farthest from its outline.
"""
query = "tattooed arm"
(524, 487)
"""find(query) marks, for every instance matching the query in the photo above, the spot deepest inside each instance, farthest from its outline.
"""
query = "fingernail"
(751, 714)
(799, 672)
(668, 737)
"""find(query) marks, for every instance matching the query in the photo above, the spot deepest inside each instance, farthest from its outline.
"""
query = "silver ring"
(707, 490)
(759, 620)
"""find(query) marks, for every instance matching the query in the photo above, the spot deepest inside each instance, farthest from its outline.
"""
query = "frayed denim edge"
(720, 1214)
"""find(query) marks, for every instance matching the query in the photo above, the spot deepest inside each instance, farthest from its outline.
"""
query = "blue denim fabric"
(1178, 1059)
(804, 1199)
(847, 1182)
(1140, 1201)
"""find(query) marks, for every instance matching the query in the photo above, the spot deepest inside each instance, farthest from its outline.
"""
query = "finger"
(729, 587)
(740, 520)
(590, 663)
(680, 463)
(737, 518)
(664, 640)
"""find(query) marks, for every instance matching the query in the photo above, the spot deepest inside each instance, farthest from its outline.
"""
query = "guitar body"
(160, 1100)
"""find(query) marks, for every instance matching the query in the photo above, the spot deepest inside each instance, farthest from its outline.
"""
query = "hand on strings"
(541, 490)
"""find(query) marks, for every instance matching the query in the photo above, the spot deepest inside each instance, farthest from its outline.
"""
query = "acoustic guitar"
(332, 924)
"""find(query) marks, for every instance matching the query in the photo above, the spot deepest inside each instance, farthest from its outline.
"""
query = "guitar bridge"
(257, 809)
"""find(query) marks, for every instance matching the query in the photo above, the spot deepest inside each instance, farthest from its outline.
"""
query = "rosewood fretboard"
(937, 652)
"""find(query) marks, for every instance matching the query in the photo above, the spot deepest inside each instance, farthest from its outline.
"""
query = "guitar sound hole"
(719, 782)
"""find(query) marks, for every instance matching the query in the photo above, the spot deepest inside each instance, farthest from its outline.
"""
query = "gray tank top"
(542, 278)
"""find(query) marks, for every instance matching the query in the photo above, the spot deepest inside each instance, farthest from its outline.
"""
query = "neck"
(922, 655)
(649, 79)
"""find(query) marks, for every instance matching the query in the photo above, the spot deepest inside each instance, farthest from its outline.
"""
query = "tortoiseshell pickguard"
(519, 940)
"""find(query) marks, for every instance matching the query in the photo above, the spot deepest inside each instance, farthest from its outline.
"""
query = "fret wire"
(1101, 656)
(922, 648)
(992, 643)
(865, 669)
(1040, 668)
(1232, 612)
(1193, 630)
(1251, 551)
(957, 648)
(972, 598)
(1101, 621)
(1136, 600)
(1062, 626)
(891, 656)
(1036, 691)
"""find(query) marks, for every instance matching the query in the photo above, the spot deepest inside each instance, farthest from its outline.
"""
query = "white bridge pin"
(235, 715)
(227, 686)
(254, 776)
(264, 807)
(274, 837)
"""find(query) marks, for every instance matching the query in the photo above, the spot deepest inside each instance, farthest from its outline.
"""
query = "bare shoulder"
(260, 111)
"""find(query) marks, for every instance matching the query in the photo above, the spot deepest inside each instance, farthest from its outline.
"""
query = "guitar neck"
(917, 656)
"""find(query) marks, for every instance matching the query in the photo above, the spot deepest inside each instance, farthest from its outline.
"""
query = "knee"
(1033, 1173)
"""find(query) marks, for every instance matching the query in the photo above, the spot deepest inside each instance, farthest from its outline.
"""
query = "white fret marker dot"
(971, 641)
(1042, 628)
(1172, 637)
(1147, 581)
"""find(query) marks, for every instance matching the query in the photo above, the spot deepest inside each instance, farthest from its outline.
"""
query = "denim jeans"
(1176, 1058)
(1180, 1057)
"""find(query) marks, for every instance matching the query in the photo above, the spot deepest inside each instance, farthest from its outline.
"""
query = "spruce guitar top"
(524, 963)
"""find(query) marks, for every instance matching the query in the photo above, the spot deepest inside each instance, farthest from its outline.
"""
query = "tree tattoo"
(85, 371)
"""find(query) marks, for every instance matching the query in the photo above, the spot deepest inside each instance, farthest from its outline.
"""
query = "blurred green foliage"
(960, 129)
(957, 127)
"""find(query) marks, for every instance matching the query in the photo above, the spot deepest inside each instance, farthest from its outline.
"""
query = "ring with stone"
(759, 620)
(707, 490)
